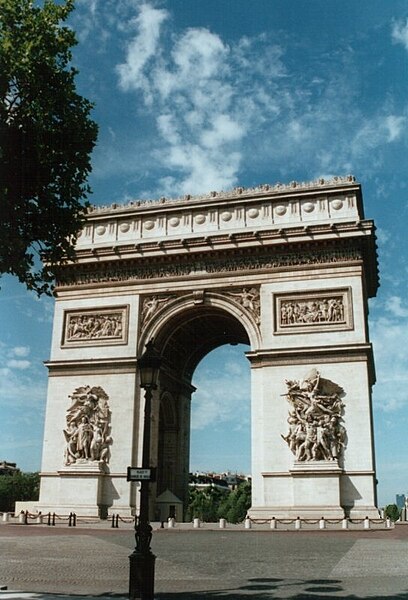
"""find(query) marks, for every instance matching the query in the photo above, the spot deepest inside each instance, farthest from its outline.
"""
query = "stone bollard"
(171, 523)
(344, 524)
(388, 523)
(298, 523)
(21, 517)
(248, 523)
(322, 523)
(6, 517)
(273, 523)
(196, 523)
(366, 523)
(223, 523)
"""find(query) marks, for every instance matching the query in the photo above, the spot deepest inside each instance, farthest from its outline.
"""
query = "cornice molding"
(303, 355)
(90, 366)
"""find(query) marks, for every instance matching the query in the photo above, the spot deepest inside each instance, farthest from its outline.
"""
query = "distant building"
(400, 500)
(7, 468)
(225, 482)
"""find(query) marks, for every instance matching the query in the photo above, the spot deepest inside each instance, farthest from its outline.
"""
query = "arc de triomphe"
(285, 269)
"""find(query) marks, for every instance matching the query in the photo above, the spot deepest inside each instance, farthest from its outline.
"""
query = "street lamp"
(142, 559)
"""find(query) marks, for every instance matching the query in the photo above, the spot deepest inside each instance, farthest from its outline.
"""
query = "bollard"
(171, 523)
(273, 523)
(196, 523)
(388, 523)
(344, 524)
(223, 523)
(49, 519)
(322, 523)
(117, 522)
(39, 519)
(298, 523)
(366, 523)
(70, 520)
(6, 517)
(21, 517)
(53, 519)
(26, 517)
(248, 523)
(113, 522)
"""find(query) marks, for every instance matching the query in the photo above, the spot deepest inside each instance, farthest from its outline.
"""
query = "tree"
(46, 139)
(203, 504)
(392, 512)
(235, 506)
(18, 487)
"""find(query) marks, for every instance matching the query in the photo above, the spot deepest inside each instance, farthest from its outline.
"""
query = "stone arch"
(197, 273)
(187, 317)
(185, 329)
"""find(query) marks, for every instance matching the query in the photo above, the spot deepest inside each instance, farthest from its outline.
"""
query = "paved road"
(206, 565)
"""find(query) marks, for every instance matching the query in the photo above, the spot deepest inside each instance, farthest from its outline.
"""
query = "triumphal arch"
(285, 269)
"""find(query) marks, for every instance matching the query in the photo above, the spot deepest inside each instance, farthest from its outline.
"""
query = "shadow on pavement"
(269, 589)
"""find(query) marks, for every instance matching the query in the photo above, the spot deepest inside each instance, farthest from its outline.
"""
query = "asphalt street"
(43, 563)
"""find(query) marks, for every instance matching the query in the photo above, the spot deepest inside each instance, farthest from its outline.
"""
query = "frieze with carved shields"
(315, 419)
(87, 432)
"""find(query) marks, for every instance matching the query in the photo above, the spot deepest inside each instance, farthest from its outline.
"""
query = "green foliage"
(46, 138)
(392, 512)
(204, 504)
(235, 506)
(16, 487)
(211, 504)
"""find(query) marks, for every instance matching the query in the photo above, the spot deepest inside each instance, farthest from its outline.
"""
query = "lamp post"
(142, 559)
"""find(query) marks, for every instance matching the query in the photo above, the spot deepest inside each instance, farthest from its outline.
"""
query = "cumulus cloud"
(389, 335)
(19, 382)
(394, 305)
(18, 364)
(20, 351)
(400, 33)
(223, 394)
(220, 107)
(142, 48)
(204, 98)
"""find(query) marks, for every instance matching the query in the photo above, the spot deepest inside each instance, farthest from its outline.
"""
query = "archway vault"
(187, 328)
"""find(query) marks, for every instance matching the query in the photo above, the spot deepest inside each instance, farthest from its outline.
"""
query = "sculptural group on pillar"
(315, 429)
(87, 432)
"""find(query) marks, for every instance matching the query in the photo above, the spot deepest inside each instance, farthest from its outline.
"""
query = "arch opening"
(184, 341)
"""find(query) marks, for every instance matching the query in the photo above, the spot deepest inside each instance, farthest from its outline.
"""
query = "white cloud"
(394, 305)
(18, 364)
(142, 48)
(21, 351)
(223, 393)
(400, 33)
(389, 337)
(204, 97)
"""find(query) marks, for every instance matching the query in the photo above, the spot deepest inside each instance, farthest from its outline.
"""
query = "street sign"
(139, 474)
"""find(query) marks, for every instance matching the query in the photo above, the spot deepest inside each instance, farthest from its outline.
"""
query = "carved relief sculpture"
(88, 427)
(105, 326)
(324, 310)
(249, 299)
(315, 429)
(152, 304)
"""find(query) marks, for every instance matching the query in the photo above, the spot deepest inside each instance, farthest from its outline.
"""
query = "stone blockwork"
(285, 269)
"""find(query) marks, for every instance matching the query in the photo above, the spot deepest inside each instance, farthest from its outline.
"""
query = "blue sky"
(198, 95)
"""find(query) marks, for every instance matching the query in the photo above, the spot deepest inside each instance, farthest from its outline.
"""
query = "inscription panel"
(328, 310)
(95, 327)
